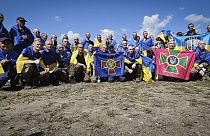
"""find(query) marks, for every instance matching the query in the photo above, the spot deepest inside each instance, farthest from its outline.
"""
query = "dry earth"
(107, 109)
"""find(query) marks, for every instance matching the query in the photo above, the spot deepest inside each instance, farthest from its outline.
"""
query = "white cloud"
(197, 18)
(181, 8)
(58, 19)
(153, 24)
(71, 36)
(106, 32)
(123, 30)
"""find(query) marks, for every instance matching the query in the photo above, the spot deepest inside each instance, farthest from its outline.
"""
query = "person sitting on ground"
(201, 68)
(81, 59)
(133, 69)
(50, 63)
(27, 64)
(64, 55)
(8, 59)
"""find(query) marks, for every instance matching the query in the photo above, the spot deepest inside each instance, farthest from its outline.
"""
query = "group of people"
(31, 58)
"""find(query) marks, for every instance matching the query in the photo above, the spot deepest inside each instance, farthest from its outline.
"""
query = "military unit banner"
(109, 64)
(174, 63)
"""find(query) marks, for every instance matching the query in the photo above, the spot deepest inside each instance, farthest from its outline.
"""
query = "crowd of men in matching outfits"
(33, 59)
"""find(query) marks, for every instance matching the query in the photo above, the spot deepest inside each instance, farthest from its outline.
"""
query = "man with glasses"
(3, 30)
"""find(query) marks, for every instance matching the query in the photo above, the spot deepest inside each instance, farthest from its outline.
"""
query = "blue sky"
(101, 17)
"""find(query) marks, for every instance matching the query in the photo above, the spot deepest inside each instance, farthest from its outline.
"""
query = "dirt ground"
(107, 109)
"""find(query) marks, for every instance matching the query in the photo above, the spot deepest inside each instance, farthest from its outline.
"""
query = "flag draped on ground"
(174, 63)
(191, 42)
(109, 64)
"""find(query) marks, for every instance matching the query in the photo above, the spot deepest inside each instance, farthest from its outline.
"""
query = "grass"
(111, 114)
(147, 110)
(195, 103)
(98, 124)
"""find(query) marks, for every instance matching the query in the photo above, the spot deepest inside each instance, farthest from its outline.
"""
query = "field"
(106, 109)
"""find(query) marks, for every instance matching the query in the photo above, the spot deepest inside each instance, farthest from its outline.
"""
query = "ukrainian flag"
(166, 35)
(182, 41)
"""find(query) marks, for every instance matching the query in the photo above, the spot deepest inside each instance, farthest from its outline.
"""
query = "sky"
(76, 17)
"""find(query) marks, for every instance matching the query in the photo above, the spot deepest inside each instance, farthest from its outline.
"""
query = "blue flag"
(109, 64)
(147, 43)
(191, 42)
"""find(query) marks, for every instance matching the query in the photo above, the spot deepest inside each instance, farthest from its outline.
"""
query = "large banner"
(191, 42)
(109, 64)
(174, 63)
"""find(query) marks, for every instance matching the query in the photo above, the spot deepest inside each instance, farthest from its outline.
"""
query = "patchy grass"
(98, 124)
(147, 110)
(196, 103)
(111, 113)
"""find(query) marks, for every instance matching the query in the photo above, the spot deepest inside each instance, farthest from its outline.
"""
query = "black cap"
(4, 38)
(21, 19)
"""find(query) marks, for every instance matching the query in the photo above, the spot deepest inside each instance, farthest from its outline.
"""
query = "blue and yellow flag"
(191, 42)
(109, 64)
